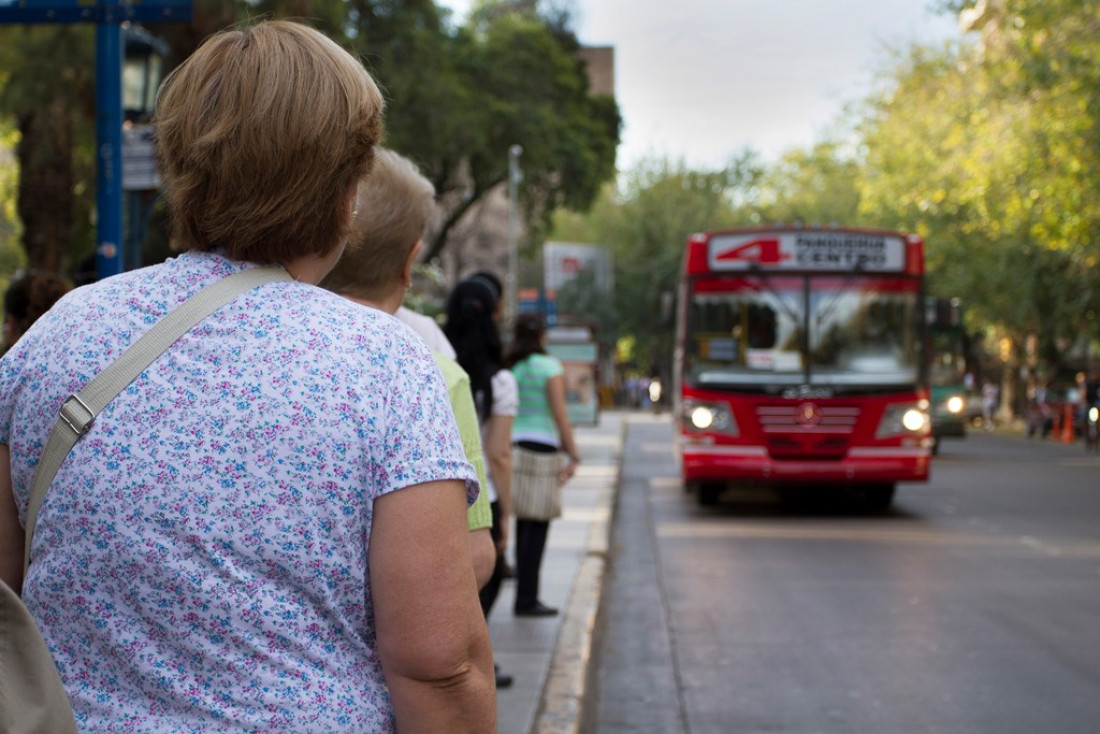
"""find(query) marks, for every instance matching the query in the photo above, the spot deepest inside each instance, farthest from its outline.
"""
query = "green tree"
(460, 98)
(992, 157)
(48, 94)
(11, 254)
(583, 298)
(819, 185)
(992, 150)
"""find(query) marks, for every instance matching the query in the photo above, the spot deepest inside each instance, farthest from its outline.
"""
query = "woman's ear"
(352, 204)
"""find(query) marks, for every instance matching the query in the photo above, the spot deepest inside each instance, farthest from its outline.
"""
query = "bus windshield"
(840, 332)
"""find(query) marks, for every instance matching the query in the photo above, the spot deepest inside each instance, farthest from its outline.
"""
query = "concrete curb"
(562, 702)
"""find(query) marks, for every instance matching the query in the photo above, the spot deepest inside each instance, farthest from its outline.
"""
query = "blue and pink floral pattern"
(200, 561)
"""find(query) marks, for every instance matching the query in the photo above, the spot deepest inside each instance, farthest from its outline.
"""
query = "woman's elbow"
(445, 661)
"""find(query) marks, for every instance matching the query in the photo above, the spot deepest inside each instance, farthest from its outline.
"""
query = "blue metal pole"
(109, 249)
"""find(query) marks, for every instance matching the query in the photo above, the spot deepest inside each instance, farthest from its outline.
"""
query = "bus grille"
(792, 432)
(787, 418)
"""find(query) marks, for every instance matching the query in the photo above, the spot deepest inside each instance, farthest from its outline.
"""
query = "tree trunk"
(45, 200)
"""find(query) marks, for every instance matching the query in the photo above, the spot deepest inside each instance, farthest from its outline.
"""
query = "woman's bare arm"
(432, 638)
(11, 532)
(498, 449)
(483, 555)
(555, 392)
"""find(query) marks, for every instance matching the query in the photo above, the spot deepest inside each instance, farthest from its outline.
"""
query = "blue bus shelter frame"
(108, 15)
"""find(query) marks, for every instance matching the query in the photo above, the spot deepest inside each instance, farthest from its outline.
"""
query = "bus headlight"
(903, 419)
(955, 404)
(709, 417)
(702, 417)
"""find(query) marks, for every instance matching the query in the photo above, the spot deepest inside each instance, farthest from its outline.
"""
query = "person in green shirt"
(541, 428)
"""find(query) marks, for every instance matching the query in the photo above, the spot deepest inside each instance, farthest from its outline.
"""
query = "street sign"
(537, 300)
(94, 11)
(139, 165)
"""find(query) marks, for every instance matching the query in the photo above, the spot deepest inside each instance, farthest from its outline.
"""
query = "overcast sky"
(701, 79)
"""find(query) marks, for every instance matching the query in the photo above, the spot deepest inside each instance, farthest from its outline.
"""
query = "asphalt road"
(972, 606)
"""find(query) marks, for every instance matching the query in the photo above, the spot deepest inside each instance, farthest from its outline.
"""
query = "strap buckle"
(76, 413)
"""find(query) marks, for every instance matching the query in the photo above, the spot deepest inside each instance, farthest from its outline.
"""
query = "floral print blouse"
(200, 561)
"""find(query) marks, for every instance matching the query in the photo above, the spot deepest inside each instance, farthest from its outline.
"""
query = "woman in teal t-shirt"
(541, 425)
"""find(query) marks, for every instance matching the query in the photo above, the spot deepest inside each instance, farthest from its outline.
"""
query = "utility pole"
(515, 175)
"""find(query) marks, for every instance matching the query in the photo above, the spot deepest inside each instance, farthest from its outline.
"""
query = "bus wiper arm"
(766, 282)
(835, 300)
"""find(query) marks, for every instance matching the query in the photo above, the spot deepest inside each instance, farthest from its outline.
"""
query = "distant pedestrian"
(990, 397)
(540, 434)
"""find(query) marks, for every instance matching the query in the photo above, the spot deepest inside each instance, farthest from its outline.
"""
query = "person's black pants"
(530, 544)
(488, 593)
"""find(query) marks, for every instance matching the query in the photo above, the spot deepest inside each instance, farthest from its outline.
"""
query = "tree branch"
(439, 239)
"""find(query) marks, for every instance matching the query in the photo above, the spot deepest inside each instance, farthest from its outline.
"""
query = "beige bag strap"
(80, 410)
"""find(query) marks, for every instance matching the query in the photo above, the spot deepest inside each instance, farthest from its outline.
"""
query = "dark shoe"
(509, 572)
(503, 679)
(538, 609)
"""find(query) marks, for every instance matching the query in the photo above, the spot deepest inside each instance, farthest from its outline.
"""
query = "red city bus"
(800, 360)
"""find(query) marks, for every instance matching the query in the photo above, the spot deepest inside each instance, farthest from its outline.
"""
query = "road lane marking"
(786, 531)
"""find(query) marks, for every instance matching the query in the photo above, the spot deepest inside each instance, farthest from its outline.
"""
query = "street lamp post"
(142, 70)
(108, 93)
(515, 175)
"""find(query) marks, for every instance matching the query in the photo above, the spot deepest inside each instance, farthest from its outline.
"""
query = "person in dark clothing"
(472, 312)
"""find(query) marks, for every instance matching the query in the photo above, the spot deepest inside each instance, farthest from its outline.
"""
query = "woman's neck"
(313, 268)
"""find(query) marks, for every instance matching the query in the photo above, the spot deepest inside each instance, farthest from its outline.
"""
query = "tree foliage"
(991, 150)
(11, 254)
(816, 186)
(458, 98)
(48, 96)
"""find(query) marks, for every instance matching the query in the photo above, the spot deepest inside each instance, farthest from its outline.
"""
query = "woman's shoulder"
(537, 367)
(546, 363)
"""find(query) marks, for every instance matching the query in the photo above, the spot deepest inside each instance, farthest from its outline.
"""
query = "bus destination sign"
(810, 250)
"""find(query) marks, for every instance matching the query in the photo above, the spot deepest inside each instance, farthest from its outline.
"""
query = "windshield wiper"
(843, 290)
(765, 281)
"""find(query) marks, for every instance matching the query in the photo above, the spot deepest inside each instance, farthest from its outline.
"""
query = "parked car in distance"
(948, 413)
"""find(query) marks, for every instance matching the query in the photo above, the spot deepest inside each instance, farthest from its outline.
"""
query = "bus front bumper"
(753, 463)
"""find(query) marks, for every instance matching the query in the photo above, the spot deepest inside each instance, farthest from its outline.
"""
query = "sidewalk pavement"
(548, 656)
